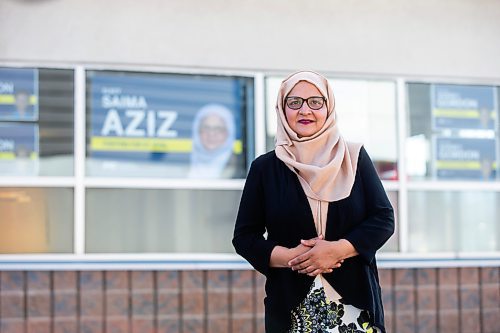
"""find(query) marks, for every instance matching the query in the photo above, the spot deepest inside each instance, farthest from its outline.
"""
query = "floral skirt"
(317, 314)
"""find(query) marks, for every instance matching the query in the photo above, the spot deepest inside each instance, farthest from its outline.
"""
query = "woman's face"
(213, 132)
(305, 121)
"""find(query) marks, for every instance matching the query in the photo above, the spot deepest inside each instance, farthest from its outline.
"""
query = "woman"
(214, 134)
(325, 212)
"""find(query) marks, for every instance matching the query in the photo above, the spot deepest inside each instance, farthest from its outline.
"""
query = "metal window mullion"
(403, 185)
(260, 115)
(79, 162)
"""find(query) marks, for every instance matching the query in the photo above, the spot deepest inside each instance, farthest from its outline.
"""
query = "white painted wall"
(445, 38)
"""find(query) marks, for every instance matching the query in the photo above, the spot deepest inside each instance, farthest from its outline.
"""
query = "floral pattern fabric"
(317, 314)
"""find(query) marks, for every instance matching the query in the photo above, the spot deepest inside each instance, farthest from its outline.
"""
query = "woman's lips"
(305, 121)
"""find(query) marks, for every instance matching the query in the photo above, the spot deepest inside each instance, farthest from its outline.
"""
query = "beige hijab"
(324, 162)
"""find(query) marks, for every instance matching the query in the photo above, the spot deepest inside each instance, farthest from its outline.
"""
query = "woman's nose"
(304, 109)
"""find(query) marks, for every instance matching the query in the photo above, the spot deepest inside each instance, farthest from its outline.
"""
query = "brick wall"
(416, 300)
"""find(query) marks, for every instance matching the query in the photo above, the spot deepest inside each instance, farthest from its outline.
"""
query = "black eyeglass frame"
(307, 101)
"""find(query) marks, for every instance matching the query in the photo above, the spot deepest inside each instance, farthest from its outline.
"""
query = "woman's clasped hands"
(317, 256)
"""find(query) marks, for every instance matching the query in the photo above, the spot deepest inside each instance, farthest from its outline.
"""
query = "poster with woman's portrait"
(167, 125)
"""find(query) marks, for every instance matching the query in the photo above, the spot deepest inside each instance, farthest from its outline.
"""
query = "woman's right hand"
(305, 246)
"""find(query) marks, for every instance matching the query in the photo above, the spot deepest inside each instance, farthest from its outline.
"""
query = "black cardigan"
(273, 200)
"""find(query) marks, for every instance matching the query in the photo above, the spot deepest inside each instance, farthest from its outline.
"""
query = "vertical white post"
(260, 115)
(402, 175)
(79, 162)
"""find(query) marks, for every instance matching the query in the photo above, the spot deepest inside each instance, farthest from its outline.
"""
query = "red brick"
(167, 280)
(404, 277)
(168, 303)
(142, 280)
(192, 280)
(116, 280)
(193, 325)
(12, 325)
(490, 275)
(38, 280)
(218, 325)
(218, 279)
(449, 321)
(405, 322)
(91, 280)
(91, 303)
(193, 303)
(426, 299)
(117, 325)
(39, 304)
(470, 321)
(170, 325)
(242, 279)
(490, 319)
(242, 302)
(65, 304)
(385, 277)
(143, 303)
(12, 305)
(490, 296)
(242, 325)
(469, 275)
(12, 281)
(117, 304)
(38, 325)
(143, 326)
(426, 276)
(65, 280)
(448, 276)
(91, 325)
(65, 326)
(218, 302)
(427, 322)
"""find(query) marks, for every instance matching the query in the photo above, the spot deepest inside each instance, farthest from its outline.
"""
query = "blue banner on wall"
(463, 107)
(18, 94)
(466, 158)
(170, 118)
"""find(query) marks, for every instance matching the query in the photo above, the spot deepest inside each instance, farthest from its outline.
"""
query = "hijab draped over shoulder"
(324, 162)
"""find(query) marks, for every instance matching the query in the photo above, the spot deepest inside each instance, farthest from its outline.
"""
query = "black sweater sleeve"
(248, 239)
(368, 236)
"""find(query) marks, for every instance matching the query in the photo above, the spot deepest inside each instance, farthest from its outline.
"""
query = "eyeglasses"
(314, 102)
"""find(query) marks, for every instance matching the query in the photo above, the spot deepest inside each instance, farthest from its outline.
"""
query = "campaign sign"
(463, 107)
(18, 149)
(465, 158)
(18, 94)
(151, 117)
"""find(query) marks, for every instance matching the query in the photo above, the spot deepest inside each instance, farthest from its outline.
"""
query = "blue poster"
(18, 94)
(463, 107)
(465, 158)
(18, 141)
(174, 119)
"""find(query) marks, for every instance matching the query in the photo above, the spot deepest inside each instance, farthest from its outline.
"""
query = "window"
(36, 220)
(366, 112)
(453, 132)
(136, 221)
(36, 122)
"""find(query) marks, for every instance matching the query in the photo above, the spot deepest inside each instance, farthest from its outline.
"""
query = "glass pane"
(160, 220)
(366, 113)
(36, 220)
(392, 244)
(453, 221)
(36, 122)
(453, 132)
(168, 125)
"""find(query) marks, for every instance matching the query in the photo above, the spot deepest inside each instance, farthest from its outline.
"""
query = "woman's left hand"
(321, 258)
